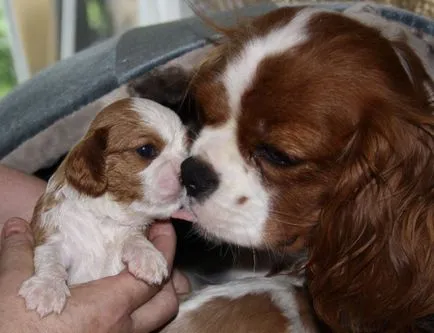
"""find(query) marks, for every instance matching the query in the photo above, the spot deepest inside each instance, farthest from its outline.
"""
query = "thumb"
(16, 254)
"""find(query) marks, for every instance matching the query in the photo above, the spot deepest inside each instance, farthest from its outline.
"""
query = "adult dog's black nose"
(198, 177)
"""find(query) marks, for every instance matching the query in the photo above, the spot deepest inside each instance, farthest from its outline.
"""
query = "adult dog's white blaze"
(238, 210)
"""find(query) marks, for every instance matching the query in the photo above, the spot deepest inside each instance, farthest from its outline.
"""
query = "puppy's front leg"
(143, 260)
(46, 291)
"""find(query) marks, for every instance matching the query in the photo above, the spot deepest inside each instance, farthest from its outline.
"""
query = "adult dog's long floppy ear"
(371, 264)
(85, 165)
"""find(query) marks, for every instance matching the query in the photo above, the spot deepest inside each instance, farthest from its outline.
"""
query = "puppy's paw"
(44, 295)
(145, 262)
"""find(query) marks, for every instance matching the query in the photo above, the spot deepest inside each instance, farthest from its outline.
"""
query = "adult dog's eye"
(147, 151)
(275, 156)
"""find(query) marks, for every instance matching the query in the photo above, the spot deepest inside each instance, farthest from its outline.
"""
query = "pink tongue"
(185, 215)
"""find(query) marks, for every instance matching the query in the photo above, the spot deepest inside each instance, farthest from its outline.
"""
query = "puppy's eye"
(275, 156)
(147, 151)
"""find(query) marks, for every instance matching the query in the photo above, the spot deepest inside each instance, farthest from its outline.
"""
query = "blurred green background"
(93, 25)
(7, 75)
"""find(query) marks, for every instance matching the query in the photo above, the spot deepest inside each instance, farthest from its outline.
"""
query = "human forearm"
(18, 193)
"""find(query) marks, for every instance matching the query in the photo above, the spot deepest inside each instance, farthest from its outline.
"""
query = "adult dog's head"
(317, 132)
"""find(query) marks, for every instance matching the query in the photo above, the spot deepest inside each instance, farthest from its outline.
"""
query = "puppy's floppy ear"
(85, 167)
(416, 71)
(371, 264)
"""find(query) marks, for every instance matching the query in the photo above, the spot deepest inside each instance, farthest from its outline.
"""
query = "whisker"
(191, 234)
(207, 279)
(234, 255)
(254, 259)
(302, 221)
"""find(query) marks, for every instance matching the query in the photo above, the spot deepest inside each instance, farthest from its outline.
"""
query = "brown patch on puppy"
(46, 202)
(106, 160)
(40, 234)
(85, 165)
(246, 314)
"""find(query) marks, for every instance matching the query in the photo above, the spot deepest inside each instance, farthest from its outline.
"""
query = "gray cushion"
(88, 75)
(70, 84)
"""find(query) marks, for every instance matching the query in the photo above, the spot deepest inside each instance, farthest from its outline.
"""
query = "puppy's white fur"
(97, 237)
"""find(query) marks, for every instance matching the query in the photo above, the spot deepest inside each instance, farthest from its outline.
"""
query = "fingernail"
(13, 226)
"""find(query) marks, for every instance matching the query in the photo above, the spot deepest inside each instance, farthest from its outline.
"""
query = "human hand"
(114, 304)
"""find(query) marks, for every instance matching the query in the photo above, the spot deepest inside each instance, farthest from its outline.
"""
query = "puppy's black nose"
(198, 177)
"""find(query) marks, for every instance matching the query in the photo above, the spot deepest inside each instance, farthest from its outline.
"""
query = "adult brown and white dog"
(316, 132)
(90, 222)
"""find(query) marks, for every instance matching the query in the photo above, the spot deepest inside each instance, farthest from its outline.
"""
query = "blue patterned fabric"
(70, 84)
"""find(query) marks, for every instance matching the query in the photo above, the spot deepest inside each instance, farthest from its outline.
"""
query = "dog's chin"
(214, 226)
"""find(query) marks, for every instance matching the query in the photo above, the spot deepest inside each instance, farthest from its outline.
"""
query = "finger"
(162, 235)
(118, 295)
(157, 312)
(2, 224)
(16, 255)
(181, 283)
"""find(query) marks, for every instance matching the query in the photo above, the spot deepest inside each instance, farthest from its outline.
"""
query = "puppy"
(90, 222)
(317, 133)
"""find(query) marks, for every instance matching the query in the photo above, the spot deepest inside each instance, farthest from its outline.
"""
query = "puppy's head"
(132, 153)
(317, 131)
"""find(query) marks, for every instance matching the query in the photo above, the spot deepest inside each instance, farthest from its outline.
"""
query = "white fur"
(96, 237)
(91, 234)
(161, 178)
(221, 215)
